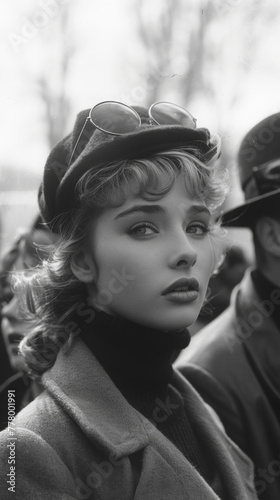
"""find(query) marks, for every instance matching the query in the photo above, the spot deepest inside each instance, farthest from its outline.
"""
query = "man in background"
(234, 362)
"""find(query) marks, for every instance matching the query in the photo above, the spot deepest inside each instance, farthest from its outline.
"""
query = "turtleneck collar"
(136, 358)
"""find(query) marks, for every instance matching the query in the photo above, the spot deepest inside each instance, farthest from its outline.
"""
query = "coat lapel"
(233, 466)
(80, 385)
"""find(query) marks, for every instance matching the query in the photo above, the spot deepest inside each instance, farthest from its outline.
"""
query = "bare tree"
(210, 38)
(56, 104)
(216, 43)
(157, 42)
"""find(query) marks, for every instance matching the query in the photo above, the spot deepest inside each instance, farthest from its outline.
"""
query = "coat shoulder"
(45, 425)
(39, 471)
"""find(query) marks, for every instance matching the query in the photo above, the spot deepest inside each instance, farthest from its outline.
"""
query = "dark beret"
(57, 191)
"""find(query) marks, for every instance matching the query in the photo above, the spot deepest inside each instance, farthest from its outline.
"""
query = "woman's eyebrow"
(148, 209)
(152, 209)
(199, 209)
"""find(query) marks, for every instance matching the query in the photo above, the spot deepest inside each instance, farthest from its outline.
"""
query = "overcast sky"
(105, 66)
(105, 32)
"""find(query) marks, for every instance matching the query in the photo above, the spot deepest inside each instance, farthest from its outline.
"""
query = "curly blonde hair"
(57, 299)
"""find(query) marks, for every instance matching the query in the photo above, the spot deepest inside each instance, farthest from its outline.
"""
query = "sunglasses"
(116, 118)
(267, 176)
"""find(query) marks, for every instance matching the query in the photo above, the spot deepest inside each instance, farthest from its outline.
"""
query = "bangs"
(112, 184)
(147, 180)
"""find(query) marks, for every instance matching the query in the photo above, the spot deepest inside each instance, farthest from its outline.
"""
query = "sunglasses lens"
(115, 118)
(165, 113)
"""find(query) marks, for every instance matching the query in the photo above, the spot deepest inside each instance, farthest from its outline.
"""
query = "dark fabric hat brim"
(245, 215)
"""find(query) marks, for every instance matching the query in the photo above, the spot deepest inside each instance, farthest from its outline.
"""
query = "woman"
(130, 192)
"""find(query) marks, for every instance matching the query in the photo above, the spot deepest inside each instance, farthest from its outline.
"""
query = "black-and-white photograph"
(140, 250)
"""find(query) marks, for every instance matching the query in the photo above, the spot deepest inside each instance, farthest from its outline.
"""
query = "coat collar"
(80, 385)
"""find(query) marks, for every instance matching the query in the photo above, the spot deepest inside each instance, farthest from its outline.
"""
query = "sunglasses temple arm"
(78, 141)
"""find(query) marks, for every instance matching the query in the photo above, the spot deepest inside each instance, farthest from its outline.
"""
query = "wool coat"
(80, 439)
(234, 363)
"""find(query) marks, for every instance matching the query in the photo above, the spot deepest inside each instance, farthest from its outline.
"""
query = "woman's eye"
(143, 230)
(198, 229)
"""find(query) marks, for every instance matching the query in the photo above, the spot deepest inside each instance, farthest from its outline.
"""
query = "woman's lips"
(182, 285)
(182, 297)
(183, 290)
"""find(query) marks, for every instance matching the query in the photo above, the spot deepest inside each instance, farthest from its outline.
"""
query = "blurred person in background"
(239, 352)
(5, 367)
(28, 251)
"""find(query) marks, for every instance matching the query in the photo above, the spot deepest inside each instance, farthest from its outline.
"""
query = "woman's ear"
(83, 267)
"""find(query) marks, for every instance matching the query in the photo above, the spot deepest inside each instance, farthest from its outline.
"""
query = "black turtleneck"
(126, 348)
(139, 362)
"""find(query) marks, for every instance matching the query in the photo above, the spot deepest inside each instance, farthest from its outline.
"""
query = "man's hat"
(57, 191)
(259, 173)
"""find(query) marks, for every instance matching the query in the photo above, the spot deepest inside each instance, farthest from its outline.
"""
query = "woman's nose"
(184, 255)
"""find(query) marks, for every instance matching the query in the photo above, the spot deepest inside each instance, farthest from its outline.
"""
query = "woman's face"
(153, 260)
